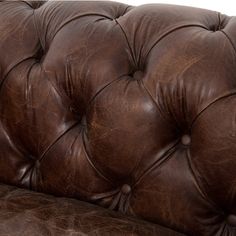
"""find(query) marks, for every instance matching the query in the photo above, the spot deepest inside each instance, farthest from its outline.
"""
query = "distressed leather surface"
(24, 213)
(130, 108)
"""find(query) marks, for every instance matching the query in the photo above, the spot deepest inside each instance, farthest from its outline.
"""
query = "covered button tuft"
(126, 189)
(186, 140)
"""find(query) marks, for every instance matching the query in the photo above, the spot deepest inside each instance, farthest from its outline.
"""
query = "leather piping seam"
(98, 171)
(13, 67)
(165, 157)
(208, 105)
(37, 31)
(171, 30)
(71, 20)
(57, 139)
(230, 40)
(127, 41)
(160, 112)
(138, 164)
(194, 170)
(95, 96)
(102, 89)
(64, 101)
(18, 63)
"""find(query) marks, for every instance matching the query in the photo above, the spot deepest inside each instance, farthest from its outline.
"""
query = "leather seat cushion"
(24, 212)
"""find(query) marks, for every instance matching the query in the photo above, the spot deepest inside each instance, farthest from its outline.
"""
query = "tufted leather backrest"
(131, 108)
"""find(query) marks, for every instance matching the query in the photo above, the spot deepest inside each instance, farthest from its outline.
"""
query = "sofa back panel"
(130, 108)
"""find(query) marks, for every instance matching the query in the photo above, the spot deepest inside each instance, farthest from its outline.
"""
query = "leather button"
(126, 189)
(138, 75)
(186, 140)
(231, 220)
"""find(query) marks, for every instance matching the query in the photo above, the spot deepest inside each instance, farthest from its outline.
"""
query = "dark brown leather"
(24, 213)
(130, 108)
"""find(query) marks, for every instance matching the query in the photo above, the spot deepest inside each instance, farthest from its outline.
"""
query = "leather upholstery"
(130, 108)
(45, 215)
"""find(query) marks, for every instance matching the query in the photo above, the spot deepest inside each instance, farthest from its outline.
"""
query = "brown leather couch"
(105, 105)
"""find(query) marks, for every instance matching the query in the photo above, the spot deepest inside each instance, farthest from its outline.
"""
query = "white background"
(224, 6)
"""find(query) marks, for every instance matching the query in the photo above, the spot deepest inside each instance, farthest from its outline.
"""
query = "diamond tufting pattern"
(130, 108)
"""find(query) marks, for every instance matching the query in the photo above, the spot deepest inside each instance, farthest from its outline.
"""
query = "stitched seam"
(156, 104)
(99, 92)
(102, 90)
(127, 41)
(37, 30)
(75, 18)
(57, 139)
(221, 97)
(99, 172)
(138, 162)
(158, 163)
(66, 99)
(194, 172)
(208, 105)
(230, 40)
(12, 68)
(164, 35)
(80, 16)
